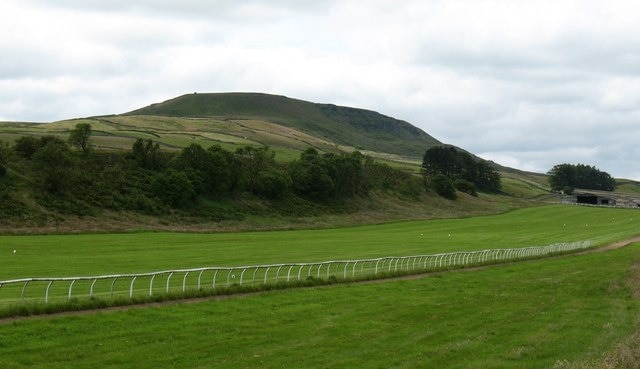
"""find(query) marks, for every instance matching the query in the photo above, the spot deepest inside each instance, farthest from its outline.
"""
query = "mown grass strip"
(31, 293)
(96, 254)
(527, 315)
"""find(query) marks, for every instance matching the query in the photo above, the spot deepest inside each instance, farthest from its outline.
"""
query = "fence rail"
(182, 280)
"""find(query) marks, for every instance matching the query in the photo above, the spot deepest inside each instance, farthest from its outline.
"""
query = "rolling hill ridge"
(359, 128)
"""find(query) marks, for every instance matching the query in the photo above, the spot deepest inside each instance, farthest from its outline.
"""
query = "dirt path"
(611, 246)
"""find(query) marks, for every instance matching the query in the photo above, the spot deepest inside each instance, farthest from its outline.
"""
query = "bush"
(411, 188)
(272, 184)
(443, 186)
(26, 146)
(173, 188)
(465, 186)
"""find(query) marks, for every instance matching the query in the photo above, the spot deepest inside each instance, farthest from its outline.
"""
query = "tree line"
(567, 177)
(447, 169)
(69, 175)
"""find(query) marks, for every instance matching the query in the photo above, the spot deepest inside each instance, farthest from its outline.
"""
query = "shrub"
(173, 188)
(443, 186)
(272, 184)
(465, 186)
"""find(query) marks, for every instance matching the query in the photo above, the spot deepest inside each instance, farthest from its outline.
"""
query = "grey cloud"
(533, 84)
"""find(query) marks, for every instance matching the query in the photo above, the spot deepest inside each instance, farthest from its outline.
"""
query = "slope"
(359, 128)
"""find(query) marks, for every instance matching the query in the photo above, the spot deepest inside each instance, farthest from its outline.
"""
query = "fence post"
(71, 287)
(151, 284)
(112, 283)
(168, 279)
(213, 285)
(242, 275)
(200, 278)
(131, 287)
(46, 295)
(289, 273)
(91, 288)
(266, 272)
(184, 281)
(229, 276)
(23, 288)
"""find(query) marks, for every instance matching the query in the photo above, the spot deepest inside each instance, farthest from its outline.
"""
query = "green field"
(529, 315)
(537, 314)
(95, 254)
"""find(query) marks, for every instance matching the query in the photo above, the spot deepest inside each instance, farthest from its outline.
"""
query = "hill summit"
(360, 128)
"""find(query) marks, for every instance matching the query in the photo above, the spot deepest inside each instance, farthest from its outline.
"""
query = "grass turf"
(528, 315)
(95, 254)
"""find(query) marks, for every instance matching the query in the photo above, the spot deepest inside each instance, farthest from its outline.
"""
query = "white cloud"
(533, 83)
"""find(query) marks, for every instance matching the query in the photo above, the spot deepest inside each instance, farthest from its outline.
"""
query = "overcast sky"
(526, 83)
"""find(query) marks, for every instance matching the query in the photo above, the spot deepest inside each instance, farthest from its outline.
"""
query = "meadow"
(564, 311)
(96, 254)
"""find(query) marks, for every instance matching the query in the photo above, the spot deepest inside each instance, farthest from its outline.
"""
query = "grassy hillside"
(363, 129)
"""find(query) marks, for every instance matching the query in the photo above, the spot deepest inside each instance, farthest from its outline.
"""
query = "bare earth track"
(608, 247)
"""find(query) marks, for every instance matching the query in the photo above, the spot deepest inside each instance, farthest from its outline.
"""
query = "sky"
(526, 83)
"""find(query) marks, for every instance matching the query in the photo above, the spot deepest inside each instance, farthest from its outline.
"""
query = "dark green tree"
(147, 154)
(26, 146)
(80, 137)
(311, 176)
(565, 176)
(459, 165)
(346, 172)
(465, 186)
(255, 161)
(173, 188)
(272, 183)
(443, 186)
(56, 164)
(5, 153)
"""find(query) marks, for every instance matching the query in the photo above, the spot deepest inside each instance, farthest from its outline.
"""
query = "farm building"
(594, 199)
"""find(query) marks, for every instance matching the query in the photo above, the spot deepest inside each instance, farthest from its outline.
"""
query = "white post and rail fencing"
(182, 280)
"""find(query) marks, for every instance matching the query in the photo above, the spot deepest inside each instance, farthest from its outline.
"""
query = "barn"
(594, 199)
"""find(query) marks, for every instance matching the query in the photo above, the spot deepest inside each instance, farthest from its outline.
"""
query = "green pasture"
(529, 315)
(96, 254)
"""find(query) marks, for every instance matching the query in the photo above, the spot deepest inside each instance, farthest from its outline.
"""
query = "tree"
(26, 146)
(173, 188)
(454, 164)
(272, 183)
(311, 177)
(465, 186)
(4, 158)
(255, 161)
(563, 176)
(80, 137)
(55, 163)
(147, 154)
(443, 186)
(346, 172)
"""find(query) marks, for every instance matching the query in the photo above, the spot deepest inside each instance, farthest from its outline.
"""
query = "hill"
(100, 190)
(358, 128)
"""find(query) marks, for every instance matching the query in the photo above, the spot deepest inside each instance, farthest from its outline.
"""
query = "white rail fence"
(183, 280)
